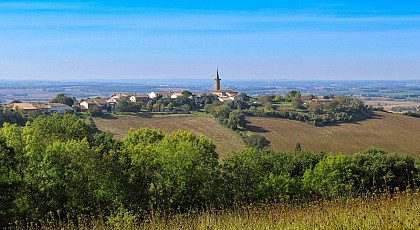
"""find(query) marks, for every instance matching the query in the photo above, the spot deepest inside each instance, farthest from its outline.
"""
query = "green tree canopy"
(186, 93)
(63, 99)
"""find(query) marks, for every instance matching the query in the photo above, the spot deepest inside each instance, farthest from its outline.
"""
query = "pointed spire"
(217, 80)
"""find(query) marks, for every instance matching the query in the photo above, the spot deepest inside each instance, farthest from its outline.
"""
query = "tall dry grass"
(398, 211)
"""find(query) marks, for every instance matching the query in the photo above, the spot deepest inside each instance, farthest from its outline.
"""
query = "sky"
(249, 40)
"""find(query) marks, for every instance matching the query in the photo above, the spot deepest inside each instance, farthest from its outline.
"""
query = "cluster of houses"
(224, 95)
(40, 107)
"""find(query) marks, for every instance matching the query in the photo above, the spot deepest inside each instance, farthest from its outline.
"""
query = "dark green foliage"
(243, 172)
(236, 120)
(169, 172)
(258, 176)
(340, 109)
(58, 165)
(298, 148)
(413, 114)
(206, 99)
(12, 117)
(9, 181)
(292, 94)
(59, 127)
(186, 93)
(303, 161)
(329, 96)
(233, 119)
(240, 105)
(128, 106)
(255, 140)
(244, 96)
(96, 111)
(382, 170)
(221, 112)
(63, 99)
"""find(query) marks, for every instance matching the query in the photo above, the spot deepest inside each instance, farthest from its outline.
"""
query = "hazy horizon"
(254, 40)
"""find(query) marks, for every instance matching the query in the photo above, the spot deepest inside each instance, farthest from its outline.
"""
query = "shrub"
(382, 170)
(332, 177)
(254, 140)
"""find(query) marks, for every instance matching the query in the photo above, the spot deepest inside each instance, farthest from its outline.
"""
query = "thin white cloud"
(14, 5)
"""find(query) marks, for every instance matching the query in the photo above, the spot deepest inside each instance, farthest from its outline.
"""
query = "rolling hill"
(392, 132)
(225, 139)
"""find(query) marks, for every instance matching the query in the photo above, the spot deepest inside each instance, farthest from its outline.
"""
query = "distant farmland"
(392, 132)
(225, 139)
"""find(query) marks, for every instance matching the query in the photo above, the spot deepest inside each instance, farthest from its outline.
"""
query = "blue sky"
(339, 40)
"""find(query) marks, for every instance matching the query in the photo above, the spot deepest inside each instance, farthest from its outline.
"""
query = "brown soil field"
(391, 132)
(388, 105)
(225, 139)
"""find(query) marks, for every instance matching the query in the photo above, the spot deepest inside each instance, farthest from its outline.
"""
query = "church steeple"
(217, 80)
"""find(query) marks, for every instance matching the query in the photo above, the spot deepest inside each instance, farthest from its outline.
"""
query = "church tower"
(217, 81)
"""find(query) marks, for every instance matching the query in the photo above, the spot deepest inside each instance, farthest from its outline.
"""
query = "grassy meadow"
(400, 211)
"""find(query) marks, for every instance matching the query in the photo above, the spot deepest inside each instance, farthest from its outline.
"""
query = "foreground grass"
(401, 211)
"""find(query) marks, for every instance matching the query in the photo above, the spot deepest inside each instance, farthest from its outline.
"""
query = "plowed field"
(225, 139)
(392, 132)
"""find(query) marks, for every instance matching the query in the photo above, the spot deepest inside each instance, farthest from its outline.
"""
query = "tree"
(244, 96)
(236, 120)
(156, 107)
(277, 98)
(185, 108)
(170, 172)
(255, 140)
(15, 101)
(63, 99)
(292, 94)
(170, 106)
(329, 96)
(382, 170)
(186, 93)
(265, 99)
(128, 106)
(243, 171)
(297, 102)
(187, 165)
(332, 177)
(62, 178)
(298, 148)
(96, 111)
(240, 105)
(12, 116)
(221, 112)
(149, 106)
(311, 96)
(9, 182)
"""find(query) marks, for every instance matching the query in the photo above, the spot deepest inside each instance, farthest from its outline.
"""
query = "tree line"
(60, 165)
(413, 114)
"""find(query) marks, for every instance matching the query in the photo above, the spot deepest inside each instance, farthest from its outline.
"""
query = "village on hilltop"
(109, 104)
